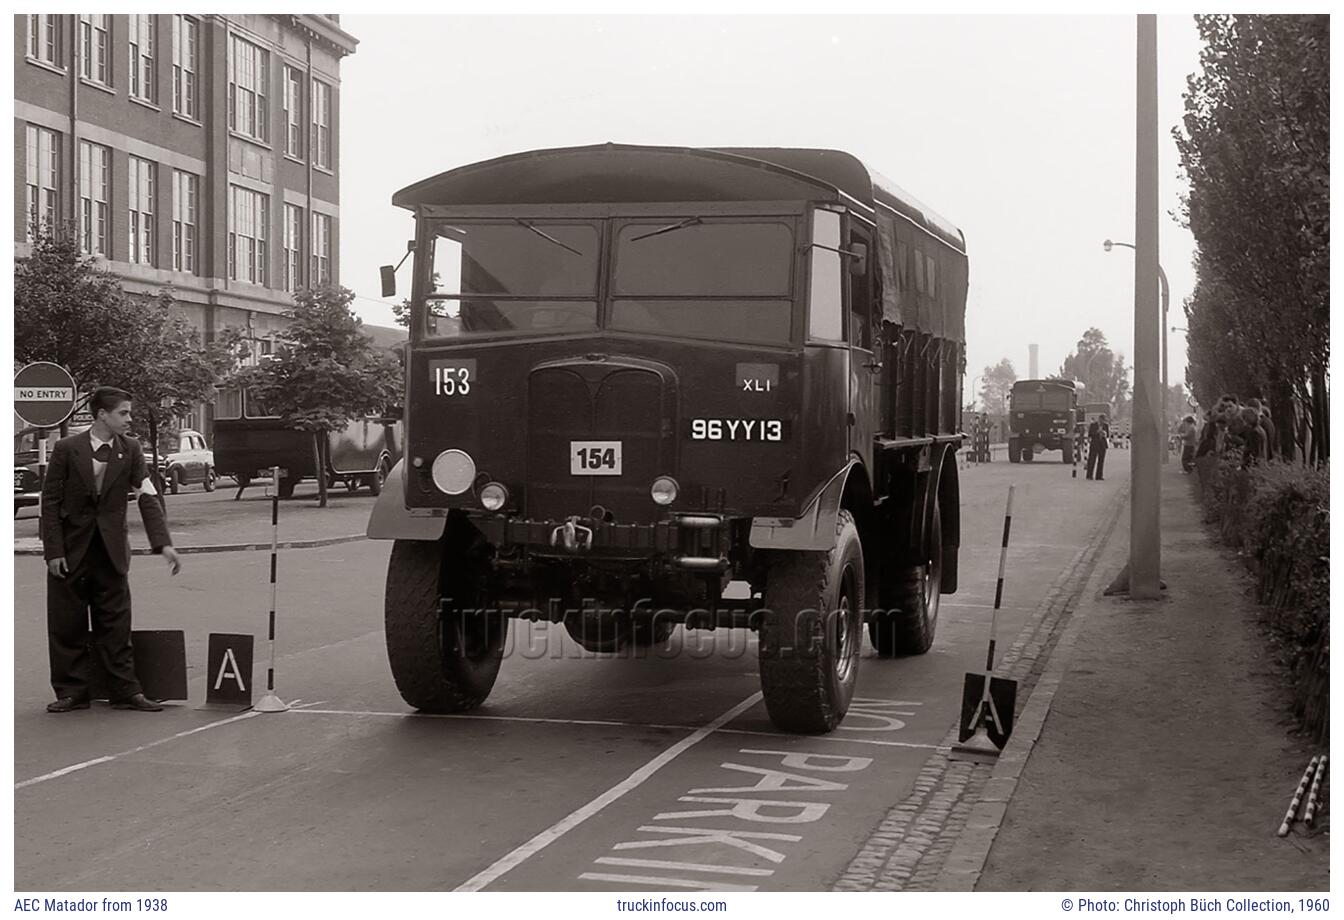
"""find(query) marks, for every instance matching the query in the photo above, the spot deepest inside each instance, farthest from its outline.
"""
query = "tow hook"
(572, 535)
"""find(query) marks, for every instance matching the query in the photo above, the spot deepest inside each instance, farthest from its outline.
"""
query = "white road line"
(659, 882)
(74, 768)
(607, 723)
(633, 781)
(471, 717)
(670, 864)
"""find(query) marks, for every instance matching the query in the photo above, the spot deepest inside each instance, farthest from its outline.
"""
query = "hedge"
(1278, 516)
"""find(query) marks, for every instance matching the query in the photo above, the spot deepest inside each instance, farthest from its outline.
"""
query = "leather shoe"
(139, 702)
(67, 703)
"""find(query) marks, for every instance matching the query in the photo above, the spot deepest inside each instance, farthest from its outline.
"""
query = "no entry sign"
(44, 394)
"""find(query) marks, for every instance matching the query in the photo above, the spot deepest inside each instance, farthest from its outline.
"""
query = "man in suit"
(88, 553)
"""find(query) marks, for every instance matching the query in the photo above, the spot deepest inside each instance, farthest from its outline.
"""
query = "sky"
(1019, 129)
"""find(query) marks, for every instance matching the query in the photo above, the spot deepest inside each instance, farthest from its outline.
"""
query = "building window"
(184, 221)
(293, 247)
(931, 274)
(185, 31)
(41, 165)
(293, 113)
(142, 57)
(248, 215)
(93, 31)
(248, 88)
(95, 166)
(140, 194)
(902, 267)
(321, 266)
(43, 39)
(321, 139)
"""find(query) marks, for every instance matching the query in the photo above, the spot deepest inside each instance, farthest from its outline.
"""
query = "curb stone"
(35, 549)
(948, 801)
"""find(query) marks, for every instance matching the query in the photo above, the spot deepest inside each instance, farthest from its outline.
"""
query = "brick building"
(197, 151)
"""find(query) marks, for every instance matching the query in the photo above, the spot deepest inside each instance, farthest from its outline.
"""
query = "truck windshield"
(1051, 399)
(702, 278)
(511, 275)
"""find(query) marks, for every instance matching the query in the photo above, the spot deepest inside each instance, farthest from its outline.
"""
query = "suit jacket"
(73, 510)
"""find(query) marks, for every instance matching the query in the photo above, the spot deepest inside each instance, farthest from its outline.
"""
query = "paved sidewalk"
(214, 522)
(1166, 757)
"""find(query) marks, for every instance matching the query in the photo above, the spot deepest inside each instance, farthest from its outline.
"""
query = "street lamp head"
(1108, 245)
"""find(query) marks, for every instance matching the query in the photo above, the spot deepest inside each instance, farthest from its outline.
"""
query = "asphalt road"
(581, 772)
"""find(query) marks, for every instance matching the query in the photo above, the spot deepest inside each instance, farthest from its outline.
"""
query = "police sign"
(44, 394)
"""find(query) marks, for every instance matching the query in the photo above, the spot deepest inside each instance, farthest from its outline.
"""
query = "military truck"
(1042, 415)
(639, 374)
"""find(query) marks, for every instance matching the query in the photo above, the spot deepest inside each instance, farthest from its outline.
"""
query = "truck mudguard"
(814, 529)
(390, 519)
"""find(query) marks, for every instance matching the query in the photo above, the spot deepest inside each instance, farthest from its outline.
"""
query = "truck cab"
(1043, 415)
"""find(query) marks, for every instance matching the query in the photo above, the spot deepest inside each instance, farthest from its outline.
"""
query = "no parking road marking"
(795, 785)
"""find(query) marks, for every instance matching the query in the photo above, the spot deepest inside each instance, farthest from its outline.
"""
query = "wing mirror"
(389, 272)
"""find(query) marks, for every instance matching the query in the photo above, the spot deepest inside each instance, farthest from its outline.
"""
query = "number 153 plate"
(595, 458)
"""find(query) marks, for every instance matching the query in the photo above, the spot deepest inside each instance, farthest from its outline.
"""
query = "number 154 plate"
(595, 458)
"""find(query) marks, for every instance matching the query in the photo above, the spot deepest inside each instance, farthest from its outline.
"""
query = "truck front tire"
(908, 599)
(1014, 451)
(442, 660)
(811, 633)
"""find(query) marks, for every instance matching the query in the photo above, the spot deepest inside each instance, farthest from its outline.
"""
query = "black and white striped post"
(1314, 799)
(1297, 797)
(1077, 449)
(998, 588)
(988, 702)
(270, 702)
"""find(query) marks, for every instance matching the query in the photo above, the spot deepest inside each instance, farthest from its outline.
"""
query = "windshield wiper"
(688, 222)
(545, 236)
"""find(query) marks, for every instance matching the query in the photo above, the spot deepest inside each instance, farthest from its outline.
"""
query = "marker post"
(270, 702)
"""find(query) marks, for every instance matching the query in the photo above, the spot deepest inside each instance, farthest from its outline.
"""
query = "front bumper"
(689, 542)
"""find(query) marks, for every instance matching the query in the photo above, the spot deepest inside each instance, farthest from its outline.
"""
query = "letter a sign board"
(229, 670)
(44, 394)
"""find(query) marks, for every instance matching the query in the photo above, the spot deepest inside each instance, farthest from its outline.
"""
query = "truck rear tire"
(1014, 452)
(442, 661)
(1068, 452)
(811, 633)
(908, 601)
(287, 485)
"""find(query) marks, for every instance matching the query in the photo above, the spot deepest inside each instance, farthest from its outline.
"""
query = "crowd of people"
(1243, 432)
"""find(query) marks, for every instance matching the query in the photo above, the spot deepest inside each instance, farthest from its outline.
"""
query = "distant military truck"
(637, 374)
(1042, 415)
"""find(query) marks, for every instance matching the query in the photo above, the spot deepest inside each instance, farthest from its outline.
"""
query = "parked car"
(191, 462)
(26, 486)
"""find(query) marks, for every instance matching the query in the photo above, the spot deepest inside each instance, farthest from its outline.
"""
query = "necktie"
(102, 454)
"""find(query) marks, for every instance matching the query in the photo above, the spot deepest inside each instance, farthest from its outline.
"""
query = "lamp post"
(1166, 298)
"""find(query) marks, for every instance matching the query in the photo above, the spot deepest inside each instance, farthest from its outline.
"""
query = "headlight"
(494, 496)
(453, 471)
(664, 490)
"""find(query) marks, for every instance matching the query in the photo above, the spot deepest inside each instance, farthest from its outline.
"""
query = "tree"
(997, 383)
(164, 367)
(1102, 371)
(325, 372)
(1255, 149)
(68, 312)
